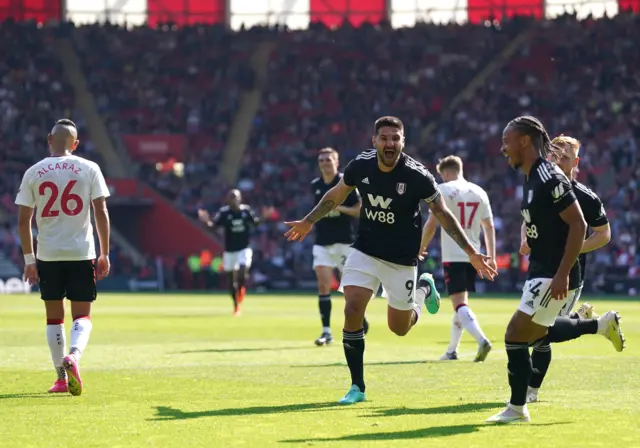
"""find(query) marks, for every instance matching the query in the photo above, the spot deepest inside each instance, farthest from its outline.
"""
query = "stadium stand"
(564, 76)
(455, 86)
(33, 95)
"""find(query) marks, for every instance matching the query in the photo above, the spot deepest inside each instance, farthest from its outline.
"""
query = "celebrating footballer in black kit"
(334, 236)
(385, 251)
(584, 321)
(555, 229)
(237, 220)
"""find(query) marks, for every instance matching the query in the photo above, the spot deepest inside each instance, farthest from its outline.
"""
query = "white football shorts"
(398, 281)
(572, 302)
(537, 301)
(231, 261)
(332, 256)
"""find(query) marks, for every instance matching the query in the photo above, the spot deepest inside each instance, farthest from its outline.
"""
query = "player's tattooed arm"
(329, 201)
(451, 225)
(320, 210)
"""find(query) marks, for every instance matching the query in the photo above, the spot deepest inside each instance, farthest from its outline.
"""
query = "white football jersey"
(470, 204)
(61, 190)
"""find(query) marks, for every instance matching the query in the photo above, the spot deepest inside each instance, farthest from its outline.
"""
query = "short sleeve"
(26, 196)
(429, 190)
(594, 213)
(99, 188)
(561, 193)
(350, 174)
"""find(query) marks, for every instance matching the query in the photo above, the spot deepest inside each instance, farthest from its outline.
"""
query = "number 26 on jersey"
(67, 199)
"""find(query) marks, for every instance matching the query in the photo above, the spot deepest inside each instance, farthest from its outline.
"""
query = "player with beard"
(392, 185)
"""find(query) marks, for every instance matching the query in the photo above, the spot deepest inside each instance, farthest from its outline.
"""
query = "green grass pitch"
(181, 371)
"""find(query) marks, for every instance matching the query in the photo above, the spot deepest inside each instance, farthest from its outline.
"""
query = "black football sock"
(241, 279)
(324, 303)
(540, 360)
(233, 290)
(519, 370)
(353, 343)
(566, 329)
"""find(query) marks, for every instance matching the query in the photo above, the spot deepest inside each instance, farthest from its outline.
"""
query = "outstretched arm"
(331, 199)
(451, 225)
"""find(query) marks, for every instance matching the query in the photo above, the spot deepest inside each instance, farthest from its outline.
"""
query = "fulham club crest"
(401, 187)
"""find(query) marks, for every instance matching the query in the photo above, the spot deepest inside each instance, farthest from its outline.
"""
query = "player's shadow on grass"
(246, 349)
(454, 409)
(31, 395)
(379, 363)
(423, 433)
(168, 413)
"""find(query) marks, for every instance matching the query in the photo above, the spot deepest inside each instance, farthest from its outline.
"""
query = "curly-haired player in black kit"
(584, 320)
(555, 230)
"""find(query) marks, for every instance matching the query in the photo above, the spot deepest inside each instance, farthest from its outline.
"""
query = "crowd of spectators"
(580, 78)
(34, 93)
(325, 87)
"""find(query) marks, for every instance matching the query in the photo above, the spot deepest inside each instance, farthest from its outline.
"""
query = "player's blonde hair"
(566, 141)
(330, 151)
(452, 162)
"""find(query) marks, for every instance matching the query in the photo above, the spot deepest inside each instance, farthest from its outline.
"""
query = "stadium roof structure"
(298, 14)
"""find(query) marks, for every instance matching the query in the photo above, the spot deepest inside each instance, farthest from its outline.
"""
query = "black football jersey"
(237, 225)
(390, 224)
(593, 212)
(335, 227)
(546, 193)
